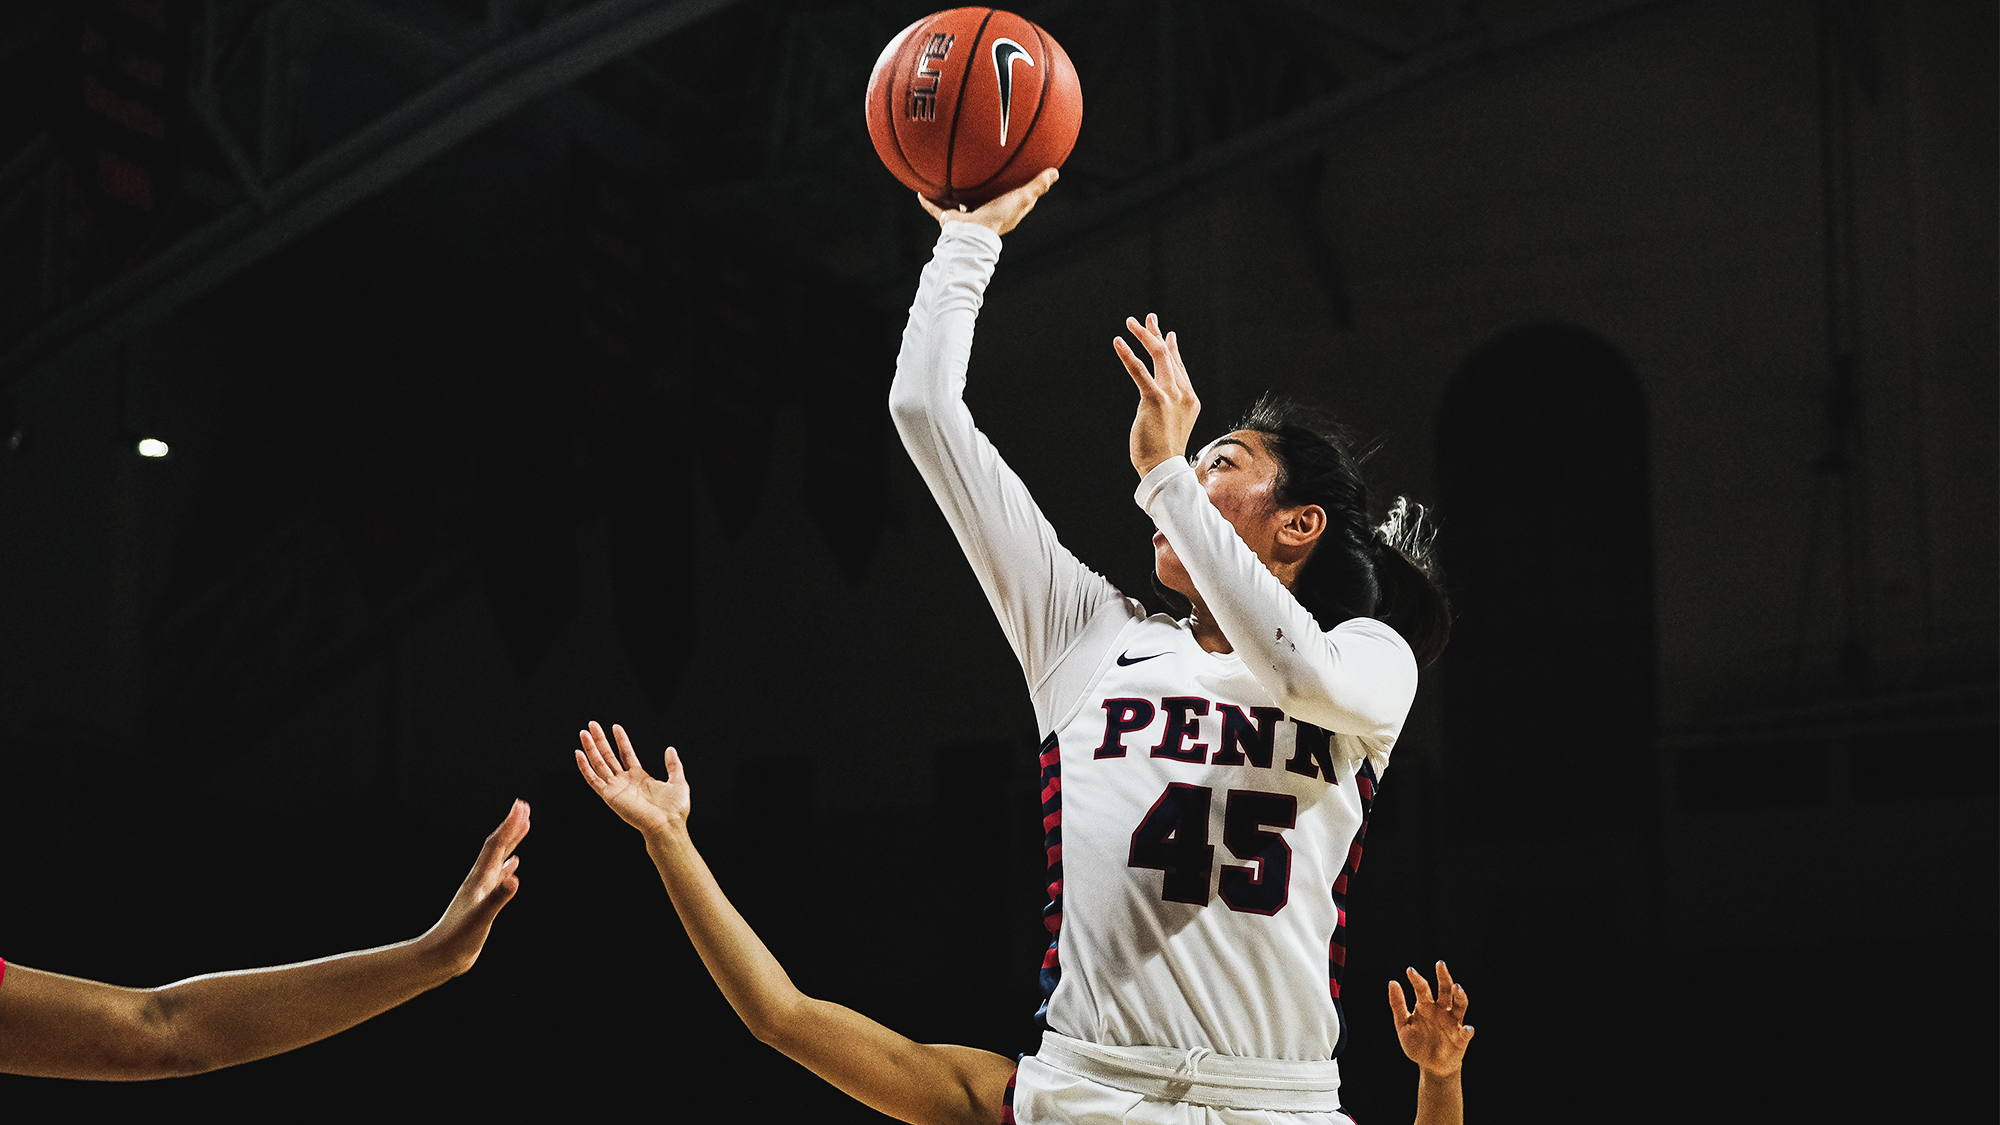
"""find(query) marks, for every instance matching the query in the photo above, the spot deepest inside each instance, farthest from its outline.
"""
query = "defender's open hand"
(461, 933)
(1435, 1035)
(1167, 403)
(640, 799)
(1001, 213)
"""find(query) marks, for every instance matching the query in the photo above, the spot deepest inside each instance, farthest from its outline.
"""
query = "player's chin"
(1168, 569)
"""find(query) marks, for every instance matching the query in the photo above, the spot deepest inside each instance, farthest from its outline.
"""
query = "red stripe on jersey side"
(1007, 1099)
(1051, 974)
(1336, 949)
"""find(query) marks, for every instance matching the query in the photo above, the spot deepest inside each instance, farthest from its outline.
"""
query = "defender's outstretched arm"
(930, 1084)
(56, 1026)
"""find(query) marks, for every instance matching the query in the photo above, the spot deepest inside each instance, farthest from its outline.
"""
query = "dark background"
(525, 363)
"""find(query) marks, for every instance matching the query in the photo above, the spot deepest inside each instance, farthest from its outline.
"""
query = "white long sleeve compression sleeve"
(1048, 603)
(1358, 678)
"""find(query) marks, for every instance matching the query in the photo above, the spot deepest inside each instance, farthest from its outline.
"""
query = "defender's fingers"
(1460, 1001)
(671, 762)
(1422, 986)
(514, 827)
(500, 842)
(1397, 1004)
(606, 751)
(625, 752)
(1444, 977)
(605, 769)
(499, 895)
(589, 773)
(496, 853)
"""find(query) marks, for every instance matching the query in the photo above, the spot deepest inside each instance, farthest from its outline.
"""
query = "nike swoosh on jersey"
(1124, 663)
(1006, 53)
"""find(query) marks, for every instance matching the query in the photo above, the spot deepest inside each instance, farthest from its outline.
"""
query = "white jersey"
(1202, 809)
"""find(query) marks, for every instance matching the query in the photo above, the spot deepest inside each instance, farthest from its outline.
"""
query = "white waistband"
(1199, 1076)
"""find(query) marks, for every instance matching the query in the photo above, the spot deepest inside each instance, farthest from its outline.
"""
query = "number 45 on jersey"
(1173, 838)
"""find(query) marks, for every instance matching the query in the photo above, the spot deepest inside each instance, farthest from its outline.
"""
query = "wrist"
(436, 957)
(668, 836)
(1442, 1077)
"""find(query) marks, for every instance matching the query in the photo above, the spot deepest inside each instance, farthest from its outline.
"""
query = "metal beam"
(1294, 137)
(483, 91)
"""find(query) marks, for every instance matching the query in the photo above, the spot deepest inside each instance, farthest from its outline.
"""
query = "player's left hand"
(641, 800)
(1167, 403)
(1435, 1035)
(460, 934)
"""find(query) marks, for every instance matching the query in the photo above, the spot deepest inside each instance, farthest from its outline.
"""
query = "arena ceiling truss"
(295, 110)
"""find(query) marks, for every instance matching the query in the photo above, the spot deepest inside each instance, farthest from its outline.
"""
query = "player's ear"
(1302, 526)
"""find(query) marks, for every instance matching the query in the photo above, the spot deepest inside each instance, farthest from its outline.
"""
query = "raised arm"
(932, 1084)
(1434, 1035)
(1359, 677)
(1042, 595)
(56, 1026)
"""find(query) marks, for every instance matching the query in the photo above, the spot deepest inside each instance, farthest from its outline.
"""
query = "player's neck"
(1207, 633)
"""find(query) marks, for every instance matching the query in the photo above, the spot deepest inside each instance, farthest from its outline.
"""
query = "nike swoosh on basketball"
(1123, 661)
(1006, 53)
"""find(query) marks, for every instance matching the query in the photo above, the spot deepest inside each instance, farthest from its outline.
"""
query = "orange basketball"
(967, 104)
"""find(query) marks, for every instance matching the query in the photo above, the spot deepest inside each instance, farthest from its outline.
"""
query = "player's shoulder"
(1371, 630)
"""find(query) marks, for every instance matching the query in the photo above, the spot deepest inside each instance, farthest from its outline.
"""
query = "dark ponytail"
(1361, 567)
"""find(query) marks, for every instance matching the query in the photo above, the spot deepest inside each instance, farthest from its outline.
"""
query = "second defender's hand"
(1002, 213)
(1435, 1033)
(641, 800)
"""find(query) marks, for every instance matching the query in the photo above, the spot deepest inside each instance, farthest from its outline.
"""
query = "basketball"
(972, 103)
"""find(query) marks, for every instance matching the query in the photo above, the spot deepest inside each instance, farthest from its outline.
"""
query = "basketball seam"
(895, 136)
(1048, 76)
(958, 103)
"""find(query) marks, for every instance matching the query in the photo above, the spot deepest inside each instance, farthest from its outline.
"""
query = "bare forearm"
(228, 1018)
(756, 986)
(65, 1027)
(1440, 1101)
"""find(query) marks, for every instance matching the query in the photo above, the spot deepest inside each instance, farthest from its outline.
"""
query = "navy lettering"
(1252, 735)
(1264, 885)
(1122, 717)
(1181, 725)
(1314, 755)
(1174, 839)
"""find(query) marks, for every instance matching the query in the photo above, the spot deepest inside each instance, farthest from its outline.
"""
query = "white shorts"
(1070, 1082)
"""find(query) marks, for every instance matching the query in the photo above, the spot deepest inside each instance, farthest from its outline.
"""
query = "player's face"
(1241, 477)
